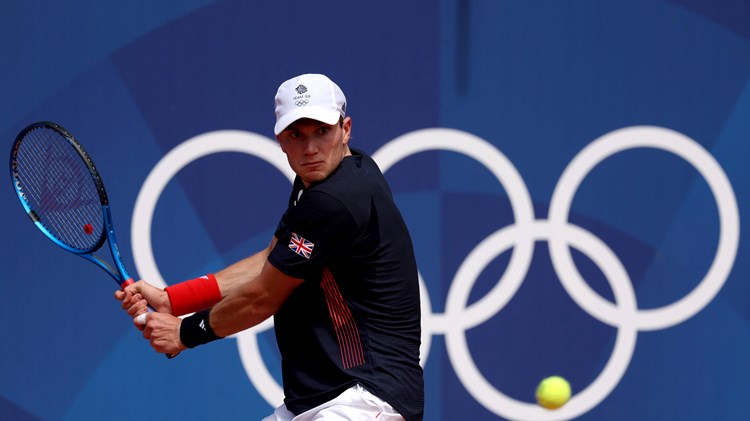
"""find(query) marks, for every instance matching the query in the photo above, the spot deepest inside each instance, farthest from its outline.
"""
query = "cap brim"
(325, 115)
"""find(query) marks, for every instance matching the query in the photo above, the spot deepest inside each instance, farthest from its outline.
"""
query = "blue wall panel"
(510, 97)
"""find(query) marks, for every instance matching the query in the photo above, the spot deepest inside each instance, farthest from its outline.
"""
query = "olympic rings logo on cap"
(557, 231)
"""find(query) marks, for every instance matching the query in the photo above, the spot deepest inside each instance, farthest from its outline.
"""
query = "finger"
(119, 295)
(126, 297)
(140, 320)
(132, 288)
(161, 346)
(136, 309)
(132, 308)
(148, 330)
(139, 326)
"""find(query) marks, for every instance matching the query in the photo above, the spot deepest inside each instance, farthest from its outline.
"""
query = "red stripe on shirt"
(347, 333)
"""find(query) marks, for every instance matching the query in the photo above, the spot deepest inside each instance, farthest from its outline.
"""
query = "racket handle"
(126, 283)
(141, 320)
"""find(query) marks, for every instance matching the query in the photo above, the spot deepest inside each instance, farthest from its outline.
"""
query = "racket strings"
(60, 188)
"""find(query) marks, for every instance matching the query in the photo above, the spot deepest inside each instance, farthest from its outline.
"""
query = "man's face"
(315, 149)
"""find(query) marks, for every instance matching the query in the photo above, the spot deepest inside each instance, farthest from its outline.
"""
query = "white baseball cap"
(312, 96)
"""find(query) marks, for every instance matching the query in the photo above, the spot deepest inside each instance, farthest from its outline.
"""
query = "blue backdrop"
(574, 175)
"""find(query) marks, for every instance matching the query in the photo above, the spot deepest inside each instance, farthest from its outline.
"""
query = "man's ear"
(347, 127)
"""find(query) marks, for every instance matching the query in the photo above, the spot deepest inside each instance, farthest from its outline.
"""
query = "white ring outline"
(692, 152)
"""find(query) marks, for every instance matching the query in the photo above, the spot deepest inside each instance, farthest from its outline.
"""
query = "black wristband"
(196, 330)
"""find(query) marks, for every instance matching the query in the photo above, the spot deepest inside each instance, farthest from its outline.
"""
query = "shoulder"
(351, 187)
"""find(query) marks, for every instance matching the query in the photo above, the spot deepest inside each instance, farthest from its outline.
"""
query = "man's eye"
(324, 130)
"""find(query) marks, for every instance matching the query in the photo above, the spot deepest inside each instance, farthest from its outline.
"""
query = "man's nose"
(309, 145)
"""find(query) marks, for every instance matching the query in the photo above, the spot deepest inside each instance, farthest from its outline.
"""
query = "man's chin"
(313, 177)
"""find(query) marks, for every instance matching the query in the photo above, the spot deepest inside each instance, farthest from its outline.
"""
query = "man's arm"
(137, 296)
(235, 275)
(251, 295)
(252, 302)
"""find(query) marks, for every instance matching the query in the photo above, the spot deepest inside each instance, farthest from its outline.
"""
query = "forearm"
(206, 291)
(252, 302)
(253, 290)
(231, 278)
(246, 307)
(249, 304)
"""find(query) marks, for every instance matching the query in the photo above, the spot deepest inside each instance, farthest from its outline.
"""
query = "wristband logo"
(559, 234)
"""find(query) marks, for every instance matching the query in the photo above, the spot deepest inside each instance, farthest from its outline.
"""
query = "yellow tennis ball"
(553, 392)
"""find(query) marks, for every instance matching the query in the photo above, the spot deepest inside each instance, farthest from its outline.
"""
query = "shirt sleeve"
(311, 232)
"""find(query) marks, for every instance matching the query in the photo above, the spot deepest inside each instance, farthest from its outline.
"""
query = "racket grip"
(141, 320)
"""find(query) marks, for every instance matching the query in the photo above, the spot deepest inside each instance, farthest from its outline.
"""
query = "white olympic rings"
(560, 234)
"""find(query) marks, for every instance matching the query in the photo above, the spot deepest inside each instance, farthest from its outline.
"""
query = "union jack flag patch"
(301, 246)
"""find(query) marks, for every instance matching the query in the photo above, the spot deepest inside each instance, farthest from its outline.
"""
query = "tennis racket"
(63, 194)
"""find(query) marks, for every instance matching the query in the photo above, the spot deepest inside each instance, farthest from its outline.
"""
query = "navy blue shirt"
(356, 318)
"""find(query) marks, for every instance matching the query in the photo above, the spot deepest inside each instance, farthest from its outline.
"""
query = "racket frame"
(118, 273)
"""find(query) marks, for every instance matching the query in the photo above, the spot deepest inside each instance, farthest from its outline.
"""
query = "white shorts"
(355, 404)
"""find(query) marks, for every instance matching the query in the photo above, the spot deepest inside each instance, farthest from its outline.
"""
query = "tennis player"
(339, 278)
